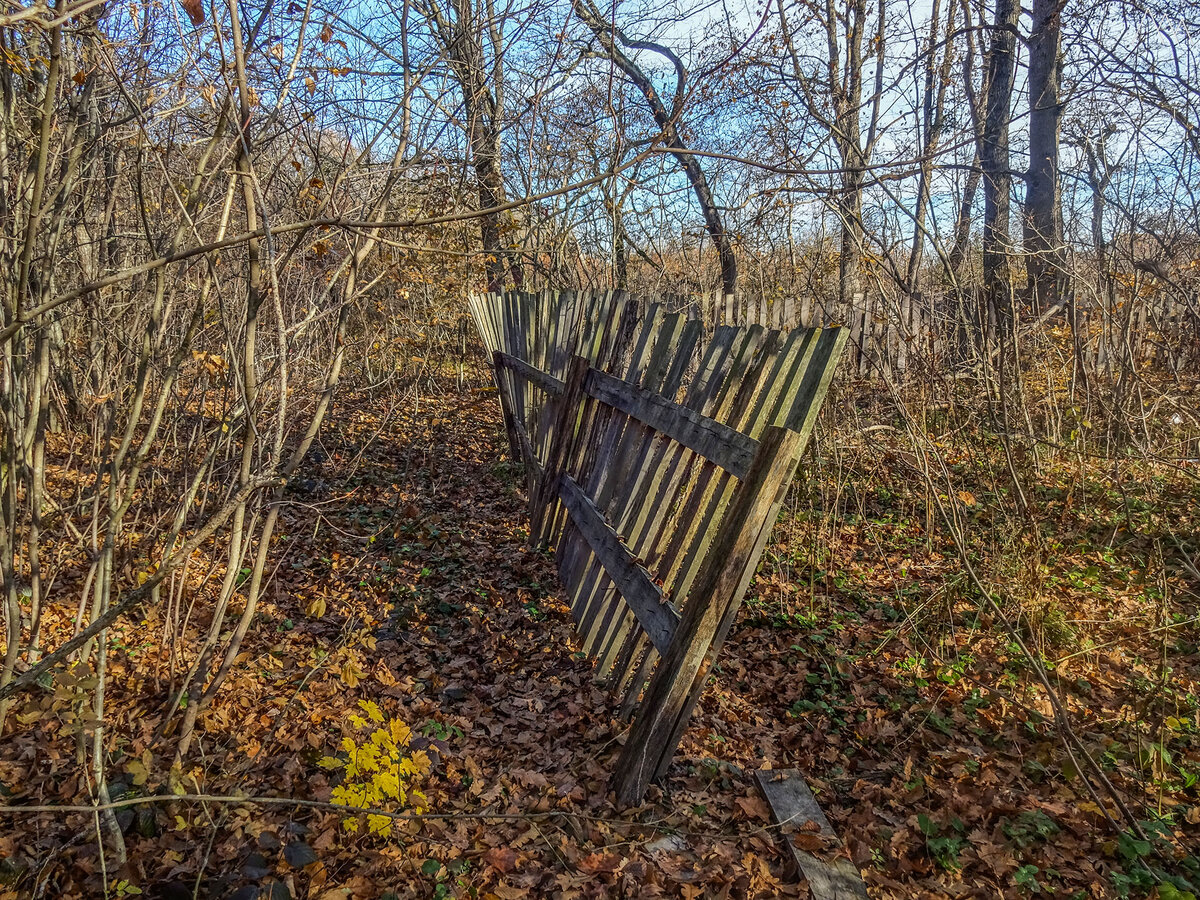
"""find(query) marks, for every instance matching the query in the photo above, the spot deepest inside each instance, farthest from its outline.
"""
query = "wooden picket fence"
(883, 336)
(657, 461)
(1153, 331)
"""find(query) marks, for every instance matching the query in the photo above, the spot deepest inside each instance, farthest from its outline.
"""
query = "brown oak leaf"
(502, 859)
(194, 9)
(599, 862)
(754, 807)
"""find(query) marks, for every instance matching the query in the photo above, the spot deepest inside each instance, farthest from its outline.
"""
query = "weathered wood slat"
(592, 313)
(723, 445)
(571, 551)
(543, 500)
(551, 303)
(711, 491)
(792, 803)
(524, 344)
(692, 531)
(547, 383)
(617, 494)
(670, 471)
(766, 391)
(817, 375)
(613, 445)
(677, 470)
(822, 356)
(737, 549)
(513, 342)
(603, 608)
(641, 593)
(509, 414)
(655, 463)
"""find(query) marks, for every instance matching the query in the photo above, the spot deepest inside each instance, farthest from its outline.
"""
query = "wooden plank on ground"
(792, 803)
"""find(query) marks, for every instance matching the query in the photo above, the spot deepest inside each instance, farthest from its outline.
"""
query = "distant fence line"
(943, 331)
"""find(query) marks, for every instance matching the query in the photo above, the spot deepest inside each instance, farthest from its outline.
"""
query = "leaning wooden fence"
(656, 469)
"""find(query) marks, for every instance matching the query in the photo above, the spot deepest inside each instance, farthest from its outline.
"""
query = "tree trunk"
(1045, 255)
(850, 214)
(485, 157)
(933, 117)
(962, 224)
(846, 90)
(482, 107)
(609, 36)
(994, 162)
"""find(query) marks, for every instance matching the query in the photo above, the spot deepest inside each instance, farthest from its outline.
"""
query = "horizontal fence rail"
(656, 468)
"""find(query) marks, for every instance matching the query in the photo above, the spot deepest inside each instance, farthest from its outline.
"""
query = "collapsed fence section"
(656, 470)
(531, 338)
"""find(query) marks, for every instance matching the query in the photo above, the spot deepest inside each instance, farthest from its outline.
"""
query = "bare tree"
(933, 125)
(463, 30)
(832, 89)
(994, 160)
(1045, 254)
(975, 107)
(614, 42)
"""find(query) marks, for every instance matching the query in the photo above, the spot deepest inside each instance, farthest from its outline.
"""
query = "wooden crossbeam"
(658, 619)
(725, 446)
(547, 383)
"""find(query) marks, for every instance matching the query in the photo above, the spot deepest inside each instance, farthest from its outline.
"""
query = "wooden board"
(792, 803)
(728, 448)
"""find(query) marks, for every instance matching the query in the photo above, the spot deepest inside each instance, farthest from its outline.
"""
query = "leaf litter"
(402, 577)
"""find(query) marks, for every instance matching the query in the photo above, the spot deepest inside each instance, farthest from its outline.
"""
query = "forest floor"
(862, 657)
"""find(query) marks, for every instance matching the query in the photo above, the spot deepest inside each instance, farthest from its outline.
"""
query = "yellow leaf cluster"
(211, 362)
(380, 769)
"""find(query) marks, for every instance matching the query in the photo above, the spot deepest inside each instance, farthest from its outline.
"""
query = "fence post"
(715, 594)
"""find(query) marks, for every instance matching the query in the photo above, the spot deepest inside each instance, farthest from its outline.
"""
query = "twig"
(28, 678)
(1070, 740)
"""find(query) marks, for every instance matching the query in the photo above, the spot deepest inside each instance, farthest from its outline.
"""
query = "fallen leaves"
(596, 863)
(755, 807)
(412, 586)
